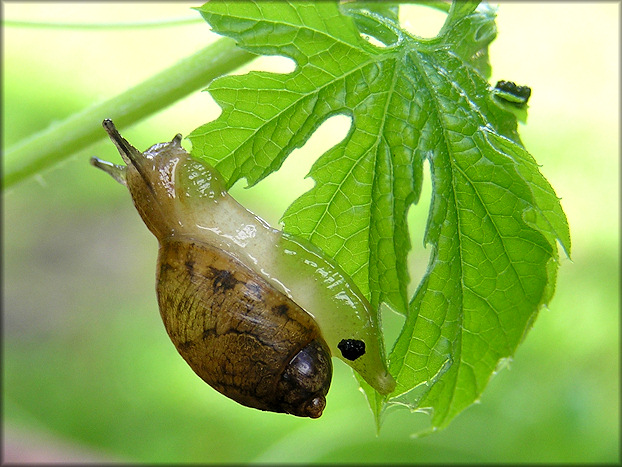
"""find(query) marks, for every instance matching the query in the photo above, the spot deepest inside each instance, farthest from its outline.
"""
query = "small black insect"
(512, 93)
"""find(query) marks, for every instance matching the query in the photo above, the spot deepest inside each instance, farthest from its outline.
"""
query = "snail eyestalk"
(129, 153)
(118, 172)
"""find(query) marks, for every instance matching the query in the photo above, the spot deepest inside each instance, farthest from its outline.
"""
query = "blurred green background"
(88, 371)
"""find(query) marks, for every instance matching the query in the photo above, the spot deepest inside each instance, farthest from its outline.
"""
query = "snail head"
(149, 176)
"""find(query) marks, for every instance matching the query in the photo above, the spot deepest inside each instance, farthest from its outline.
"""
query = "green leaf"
(469, 32)
(494, 219)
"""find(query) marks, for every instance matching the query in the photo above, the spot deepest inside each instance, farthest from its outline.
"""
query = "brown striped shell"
(241, 336)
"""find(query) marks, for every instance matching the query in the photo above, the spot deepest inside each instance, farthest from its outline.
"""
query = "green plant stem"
(156, 23)
(61, 140)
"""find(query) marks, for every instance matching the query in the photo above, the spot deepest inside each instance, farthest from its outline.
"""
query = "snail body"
(255, 312)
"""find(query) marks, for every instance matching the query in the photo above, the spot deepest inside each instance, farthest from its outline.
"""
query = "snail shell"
(255, 312)
(239, 334)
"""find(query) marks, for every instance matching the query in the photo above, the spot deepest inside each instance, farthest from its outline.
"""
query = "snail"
(255, 312)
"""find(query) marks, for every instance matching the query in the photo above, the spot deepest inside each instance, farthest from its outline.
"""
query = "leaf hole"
(272, 196)
(268, 63)
(392, 323)
(373, 41)
(419, 256)
(421, 20)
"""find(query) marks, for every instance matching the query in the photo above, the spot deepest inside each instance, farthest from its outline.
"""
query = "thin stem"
(61, 140)
(156, 23)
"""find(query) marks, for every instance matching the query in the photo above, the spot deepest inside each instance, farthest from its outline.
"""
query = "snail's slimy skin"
(292, 265)
(184, 200)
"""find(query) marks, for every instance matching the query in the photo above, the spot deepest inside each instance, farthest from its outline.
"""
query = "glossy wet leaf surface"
(494, 220)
